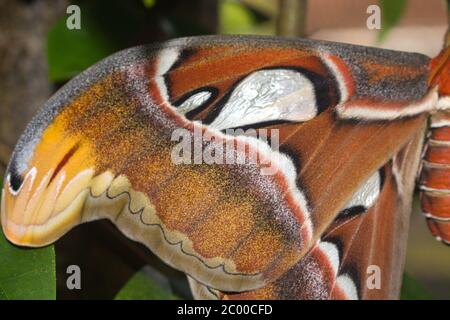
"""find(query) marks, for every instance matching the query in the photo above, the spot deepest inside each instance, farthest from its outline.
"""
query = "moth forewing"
(102, 147)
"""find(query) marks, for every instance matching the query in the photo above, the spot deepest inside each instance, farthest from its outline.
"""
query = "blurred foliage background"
(38, 54)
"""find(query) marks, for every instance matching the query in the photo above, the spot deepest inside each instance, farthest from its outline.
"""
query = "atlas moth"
(351, 122)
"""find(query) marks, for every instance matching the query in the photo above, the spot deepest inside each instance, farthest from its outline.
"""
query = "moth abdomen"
(435, 178)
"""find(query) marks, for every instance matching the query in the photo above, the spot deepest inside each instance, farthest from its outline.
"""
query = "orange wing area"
(440, 72)
(102, 148)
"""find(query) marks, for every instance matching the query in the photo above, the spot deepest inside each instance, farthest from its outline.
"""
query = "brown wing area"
(370, 247)
(336, 157)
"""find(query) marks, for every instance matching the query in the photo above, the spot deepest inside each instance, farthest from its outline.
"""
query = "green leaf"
(391, 12)
(145, 285)
(412, 289)
(26, 273)
(71, 51)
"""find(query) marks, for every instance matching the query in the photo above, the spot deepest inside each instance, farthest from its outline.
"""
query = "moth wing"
(108, 146)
